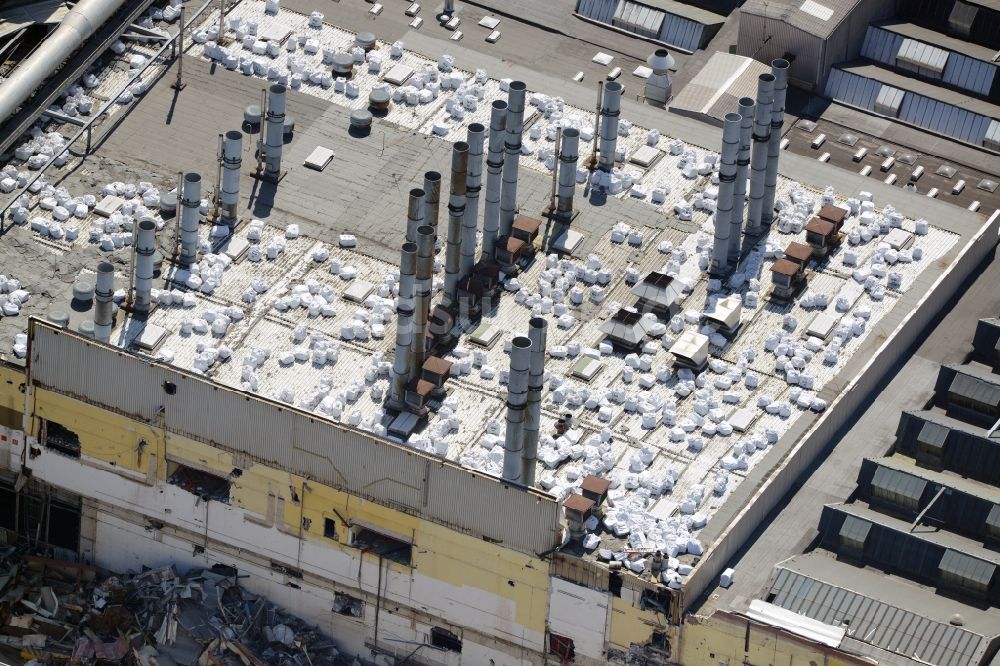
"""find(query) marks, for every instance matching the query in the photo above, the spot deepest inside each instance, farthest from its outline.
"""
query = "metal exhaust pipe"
(727, 183)
(104, 292)
(145, 247)
(456, 212)
(610, 110)
(432, 200)
(494, 171)
(779, 68)
(567, 159)
(421, 299)
(275, 131)
(190, 217)
(517, 396)
(747, 107)
(470, 222)
(404, 325)
(537, 333)
(415, 213)
(232, 161)
(512, 155)
(758, 158)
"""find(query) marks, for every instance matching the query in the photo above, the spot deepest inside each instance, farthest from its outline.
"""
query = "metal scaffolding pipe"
(432, 200)
(229, 192)
(145, 247)
(275, 137)
(517, 397)
(494, 172)
(537, 333)
(421, 299)
(474, 179)
(456, 212)
(415, 213)
(190, 217)
(610, 110)
(758, 157)
(779, 69)
(567, 158)
(104, 292)
(512, 155)
(78, 24)
(724, 203)
(746, 106)
(404, 325)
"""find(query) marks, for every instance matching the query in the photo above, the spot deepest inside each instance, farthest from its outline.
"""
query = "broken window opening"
(656, 600)
(204, 485)
(382, 545)
(330, 528)
(562, 646)
(61, 439)
(446, 640)
(345, 604)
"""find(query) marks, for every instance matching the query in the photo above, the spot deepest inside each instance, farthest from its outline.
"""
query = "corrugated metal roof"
(718, 85)
(809, 19)
(976, 389)
(967, 567)
(876, 623)
(899, 483)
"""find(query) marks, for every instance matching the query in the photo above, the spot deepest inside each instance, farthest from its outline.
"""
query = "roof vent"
(956, 620)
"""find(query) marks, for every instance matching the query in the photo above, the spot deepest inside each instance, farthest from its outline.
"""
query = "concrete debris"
(62, 612)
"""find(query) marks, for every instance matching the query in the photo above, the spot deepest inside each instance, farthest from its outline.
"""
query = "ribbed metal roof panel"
(967, 567)
(969, 73)
(975, 389)
(598, 10)
(881, 45)
(852, 89)
(681, 32)
(900, 483)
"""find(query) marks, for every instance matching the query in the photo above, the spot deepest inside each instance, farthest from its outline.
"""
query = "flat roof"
(794, 13)
(939, 39)
(972, 487)
(929, 90)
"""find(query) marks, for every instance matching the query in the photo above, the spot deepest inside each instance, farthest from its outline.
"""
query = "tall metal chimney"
(758, 158)
(145, 247)
(275, 136)
(537, 333)
(190, 217)
(568, 156)
(779, 69)
(470, 223)
(746, 106)
(104, 292)
(456, 211)
(512, 155)
(494, 171)
(404, 325)
(421, 299)
(432, 200)
(232, 161)
(415, 213)
(727, 183)
(517, 397)
(610, 110)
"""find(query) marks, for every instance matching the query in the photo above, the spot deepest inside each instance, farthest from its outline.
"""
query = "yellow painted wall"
(721, 639)
(11, 398)
(439, 552)
(630, 625)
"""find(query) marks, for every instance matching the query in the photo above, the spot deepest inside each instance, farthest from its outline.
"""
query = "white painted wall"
(580, 613)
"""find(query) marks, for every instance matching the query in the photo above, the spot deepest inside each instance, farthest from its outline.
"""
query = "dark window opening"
(615, 583)
(382, 545)
(204, 485)
(345, 604)
(287, 571)
(61, 439)
(330, 528)
(306, 524)
(655, 600)
(442, 638)
(562, 646)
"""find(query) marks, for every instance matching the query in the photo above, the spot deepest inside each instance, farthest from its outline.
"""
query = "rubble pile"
(57, 612)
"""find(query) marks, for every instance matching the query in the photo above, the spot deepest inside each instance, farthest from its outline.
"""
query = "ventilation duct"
(659, 87)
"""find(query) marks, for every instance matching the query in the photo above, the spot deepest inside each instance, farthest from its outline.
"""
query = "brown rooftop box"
(834, 214)
(436, 370)
(595, 488)
(579, 505)
(799, 253)
(526, 228)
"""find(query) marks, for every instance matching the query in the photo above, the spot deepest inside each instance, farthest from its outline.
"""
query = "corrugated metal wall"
(599, 10)
(754, 30)
(940, 117)
(681, 32)
(673, 30)
(350, 460)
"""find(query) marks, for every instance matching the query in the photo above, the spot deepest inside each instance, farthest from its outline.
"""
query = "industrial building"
(428, 347)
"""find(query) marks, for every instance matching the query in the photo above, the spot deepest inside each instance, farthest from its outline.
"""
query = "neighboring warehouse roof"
(816, 17)
(21, 16)
(940, 39)
(891, 613)
(949, 479)
(716, 89)
(667, 21)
